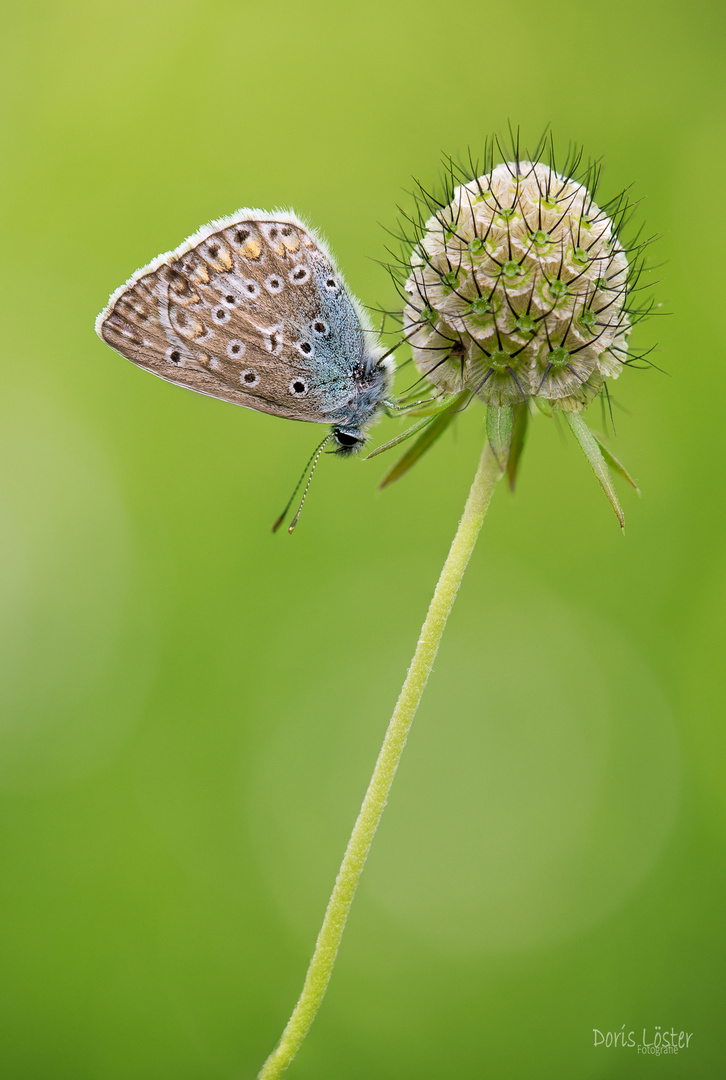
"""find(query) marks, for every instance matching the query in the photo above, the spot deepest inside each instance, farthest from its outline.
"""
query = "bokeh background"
(191, 706)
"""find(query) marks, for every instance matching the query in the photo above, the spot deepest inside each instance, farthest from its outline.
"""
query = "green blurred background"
(191, 706)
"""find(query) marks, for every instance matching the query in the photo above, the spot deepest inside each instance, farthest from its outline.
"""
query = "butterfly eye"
(299, 275)
(298, 387)
(321, 327)
(220, 315)
(235, 349)
(249, 378)
(346, 440)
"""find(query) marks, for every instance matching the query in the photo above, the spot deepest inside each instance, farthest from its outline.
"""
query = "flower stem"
(326, 947)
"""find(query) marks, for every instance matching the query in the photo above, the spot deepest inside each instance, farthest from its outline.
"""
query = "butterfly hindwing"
(250, 311)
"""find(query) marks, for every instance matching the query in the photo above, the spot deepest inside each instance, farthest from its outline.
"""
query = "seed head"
(518, 289)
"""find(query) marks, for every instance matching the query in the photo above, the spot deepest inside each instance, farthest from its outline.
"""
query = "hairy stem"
(326, 948)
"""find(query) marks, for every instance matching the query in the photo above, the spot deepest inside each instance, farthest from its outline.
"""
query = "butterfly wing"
(251, 310)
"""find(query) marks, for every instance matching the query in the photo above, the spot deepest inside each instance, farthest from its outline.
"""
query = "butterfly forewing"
(251, 311)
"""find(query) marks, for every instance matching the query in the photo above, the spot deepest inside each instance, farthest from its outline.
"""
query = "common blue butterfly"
(252, 309)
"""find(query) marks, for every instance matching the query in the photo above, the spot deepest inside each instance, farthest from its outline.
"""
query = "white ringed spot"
(299, 275)
(235, 349)
(274, 284)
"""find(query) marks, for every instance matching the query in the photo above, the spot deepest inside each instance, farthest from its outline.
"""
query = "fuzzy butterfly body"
(253, 310)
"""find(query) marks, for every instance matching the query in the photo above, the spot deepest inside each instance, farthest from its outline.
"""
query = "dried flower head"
(519, 287)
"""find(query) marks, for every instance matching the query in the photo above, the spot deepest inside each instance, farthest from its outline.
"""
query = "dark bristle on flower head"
(517, 284)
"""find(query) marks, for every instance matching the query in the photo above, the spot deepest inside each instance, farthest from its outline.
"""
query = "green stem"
(326, 948)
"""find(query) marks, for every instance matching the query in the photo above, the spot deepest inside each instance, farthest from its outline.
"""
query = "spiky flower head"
(518, 288)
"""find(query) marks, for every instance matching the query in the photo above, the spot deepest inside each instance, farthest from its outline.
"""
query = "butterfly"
(252, 309)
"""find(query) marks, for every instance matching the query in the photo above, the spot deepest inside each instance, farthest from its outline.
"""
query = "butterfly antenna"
(313, 459)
